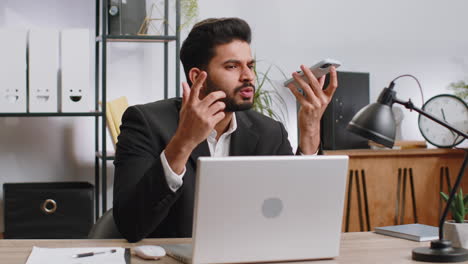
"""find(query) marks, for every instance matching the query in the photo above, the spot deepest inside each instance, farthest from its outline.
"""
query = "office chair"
(105, 227)
(115, 110)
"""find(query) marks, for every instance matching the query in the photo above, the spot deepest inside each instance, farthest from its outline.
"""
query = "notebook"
(104, 255)
(266, 208)
(415, 232)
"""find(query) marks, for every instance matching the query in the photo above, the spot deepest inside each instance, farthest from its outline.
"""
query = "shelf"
(136, 38)
(50, 114)
(102, 153)
(110, 155)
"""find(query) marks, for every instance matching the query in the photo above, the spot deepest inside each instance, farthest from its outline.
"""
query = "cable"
(416, 79)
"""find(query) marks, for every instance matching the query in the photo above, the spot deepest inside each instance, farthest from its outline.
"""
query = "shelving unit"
(50, 114)
(102, 38)
(101, 157)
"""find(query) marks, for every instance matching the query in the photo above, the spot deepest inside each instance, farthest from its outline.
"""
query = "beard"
(231, 104)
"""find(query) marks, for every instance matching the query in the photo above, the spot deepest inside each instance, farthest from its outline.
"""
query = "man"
(160, 142)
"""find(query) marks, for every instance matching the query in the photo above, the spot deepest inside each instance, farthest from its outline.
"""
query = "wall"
(385, 38)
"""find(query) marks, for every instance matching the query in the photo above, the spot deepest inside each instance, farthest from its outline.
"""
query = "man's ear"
(193, 74)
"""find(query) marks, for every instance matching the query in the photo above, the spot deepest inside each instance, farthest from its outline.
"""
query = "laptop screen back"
(268, 208)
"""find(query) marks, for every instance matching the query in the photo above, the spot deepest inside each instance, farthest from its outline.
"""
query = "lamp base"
(440, 251)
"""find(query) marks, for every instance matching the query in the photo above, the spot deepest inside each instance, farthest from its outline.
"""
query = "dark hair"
(199, 47)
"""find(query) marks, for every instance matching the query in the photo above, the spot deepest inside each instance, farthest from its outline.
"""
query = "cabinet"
(384, 194)
(102, 40)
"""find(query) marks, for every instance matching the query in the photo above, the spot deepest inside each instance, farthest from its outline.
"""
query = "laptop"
(266, 208)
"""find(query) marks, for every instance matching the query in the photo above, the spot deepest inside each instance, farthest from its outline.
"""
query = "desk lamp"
(377, 123)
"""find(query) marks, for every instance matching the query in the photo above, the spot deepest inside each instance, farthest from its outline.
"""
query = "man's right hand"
(197, 119)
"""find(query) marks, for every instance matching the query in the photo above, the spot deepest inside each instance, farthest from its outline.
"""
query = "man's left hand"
(313, 104)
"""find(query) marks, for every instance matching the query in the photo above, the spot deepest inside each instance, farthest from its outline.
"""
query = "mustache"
(237, 89)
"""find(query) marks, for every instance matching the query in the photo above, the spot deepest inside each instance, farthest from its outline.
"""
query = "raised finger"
(299, 97)
(322, 81)
(312, 97)
(305, 87)
(197, 85)
(216, 118)
(333, 82)
(322, 94)
(314, 83)
(213, 97)
(185, 92)
(216, 107)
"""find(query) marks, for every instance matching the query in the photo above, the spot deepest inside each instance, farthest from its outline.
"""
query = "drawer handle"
(49, 206)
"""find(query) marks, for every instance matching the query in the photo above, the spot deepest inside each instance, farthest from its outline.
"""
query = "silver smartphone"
(319, 69)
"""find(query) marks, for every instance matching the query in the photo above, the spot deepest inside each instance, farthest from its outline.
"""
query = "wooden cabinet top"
(395, 152)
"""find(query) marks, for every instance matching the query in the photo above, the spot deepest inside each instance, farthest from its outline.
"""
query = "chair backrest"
(115, 110)
(105, 227)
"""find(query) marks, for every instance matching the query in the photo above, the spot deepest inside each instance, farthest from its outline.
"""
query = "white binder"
(43, 70)
(75, 58)
(13, 70)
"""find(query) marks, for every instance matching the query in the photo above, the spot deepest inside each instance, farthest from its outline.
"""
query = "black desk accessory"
(377, 123)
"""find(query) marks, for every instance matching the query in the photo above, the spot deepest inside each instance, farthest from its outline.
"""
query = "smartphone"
(319, 69)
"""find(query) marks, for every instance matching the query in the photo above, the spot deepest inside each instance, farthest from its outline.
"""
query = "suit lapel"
(244, 140)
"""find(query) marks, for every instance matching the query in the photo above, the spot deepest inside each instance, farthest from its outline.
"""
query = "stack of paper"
(67, 255)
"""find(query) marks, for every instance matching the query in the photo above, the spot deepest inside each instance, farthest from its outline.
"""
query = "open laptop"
(266, 208)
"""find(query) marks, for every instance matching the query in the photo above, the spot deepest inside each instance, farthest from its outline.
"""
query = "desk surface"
(360, 248)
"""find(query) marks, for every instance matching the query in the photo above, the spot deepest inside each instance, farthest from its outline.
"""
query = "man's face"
(231, 71)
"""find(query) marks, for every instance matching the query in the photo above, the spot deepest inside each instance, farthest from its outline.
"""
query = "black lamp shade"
(375, 122)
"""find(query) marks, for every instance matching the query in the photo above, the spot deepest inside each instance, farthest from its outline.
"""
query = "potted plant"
(265, 98)
(460, 88)
(189, 13)
(456, 230)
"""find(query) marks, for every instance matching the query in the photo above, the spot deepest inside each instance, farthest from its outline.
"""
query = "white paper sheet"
(65, 256)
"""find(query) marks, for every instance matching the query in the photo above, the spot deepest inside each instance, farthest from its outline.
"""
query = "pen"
(89, 254)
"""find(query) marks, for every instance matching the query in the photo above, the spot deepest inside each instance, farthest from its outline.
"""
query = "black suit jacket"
(144, 206)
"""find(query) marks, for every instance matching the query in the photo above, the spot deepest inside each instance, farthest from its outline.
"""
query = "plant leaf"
(264, 77)
(460, 88)
(458, 217)
(461, 204)
(264, 99)
(444, 196)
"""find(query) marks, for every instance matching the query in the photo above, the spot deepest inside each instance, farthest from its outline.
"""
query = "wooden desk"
(381, 173)
(362, 248)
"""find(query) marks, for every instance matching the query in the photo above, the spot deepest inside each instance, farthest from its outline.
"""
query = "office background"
(385, 38)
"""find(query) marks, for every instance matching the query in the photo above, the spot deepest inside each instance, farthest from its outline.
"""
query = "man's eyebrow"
(238, 61)
(232, 61)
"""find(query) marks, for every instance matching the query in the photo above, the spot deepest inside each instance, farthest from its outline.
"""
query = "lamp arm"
(409, 105)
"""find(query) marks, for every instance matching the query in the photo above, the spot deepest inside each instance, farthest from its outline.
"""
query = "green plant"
(264, 99)
(460, 88)
(189, 12)
(459, 206)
